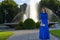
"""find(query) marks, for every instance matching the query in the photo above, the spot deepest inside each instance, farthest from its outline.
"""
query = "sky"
(20, 2)
(0, 0)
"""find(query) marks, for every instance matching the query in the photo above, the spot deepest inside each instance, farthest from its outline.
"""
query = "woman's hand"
(42, 24)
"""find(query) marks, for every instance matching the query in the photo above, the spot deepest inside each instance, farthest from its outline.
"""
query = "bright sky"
(19, 2)
(0, 0)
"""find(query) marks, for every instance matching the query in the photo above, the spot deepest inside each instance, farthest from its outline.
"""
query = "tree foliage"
(8, 9)
(54, 5)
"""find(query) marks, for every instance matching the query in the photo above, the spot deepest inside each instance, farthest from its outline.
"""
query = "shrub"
(29, 24)
(19, 26)
(58, 21)
(37, 24)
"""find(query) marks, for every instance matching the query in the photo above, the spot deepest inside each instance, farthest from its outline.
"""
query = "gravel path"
(28, 35)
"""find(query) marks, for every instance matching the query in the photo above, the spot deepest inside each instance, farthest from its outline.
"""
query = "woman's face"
(43, 10)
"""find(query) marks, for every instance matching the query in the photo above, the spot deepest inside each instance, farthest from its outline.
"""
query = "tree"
(9, 9)
(51, 4)
(1, 17)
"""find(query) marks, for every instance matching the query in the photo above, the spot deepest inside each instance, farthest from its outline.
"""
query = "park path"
(28, 35)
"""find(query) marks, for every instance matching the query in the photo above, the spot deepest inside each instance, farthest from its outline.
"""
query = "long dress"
(44, 31)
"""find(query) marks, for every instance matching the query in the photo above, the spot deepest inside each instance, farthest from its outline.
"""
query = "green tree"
(1, 17)
(51, 4)
(9, 9)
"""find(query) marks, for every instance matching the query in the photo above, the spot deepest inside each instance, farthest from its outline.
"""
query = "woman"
(44, 31)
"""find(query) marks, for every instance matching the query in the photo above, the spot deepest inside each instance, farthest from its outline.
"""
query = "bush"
(58, 21)
(19, 26)
(37, 24)
(29, 24)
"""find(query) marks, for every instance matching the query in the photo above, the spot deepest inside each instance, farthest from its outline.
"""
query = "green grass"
(55, 33)
(1, 24)
(5, 35)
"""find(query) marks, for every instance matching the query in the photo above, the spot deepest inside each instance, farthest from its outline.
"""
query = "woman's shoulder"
(41, 12)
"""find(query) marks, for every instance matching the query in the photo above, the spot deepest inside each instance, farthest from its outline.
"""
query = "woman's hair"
(44, 9)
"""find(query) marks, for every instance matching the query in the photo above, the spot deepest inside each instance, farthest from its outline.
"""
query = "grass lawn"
(55, 33)
(5, 35)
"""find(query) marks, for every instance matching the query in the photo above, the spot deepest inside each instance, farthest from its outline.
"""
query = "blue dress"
(44, 31)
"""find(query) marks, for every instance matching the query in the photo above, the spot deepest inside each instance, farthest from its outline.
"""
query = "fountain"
(31, 11)
(51, 14)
